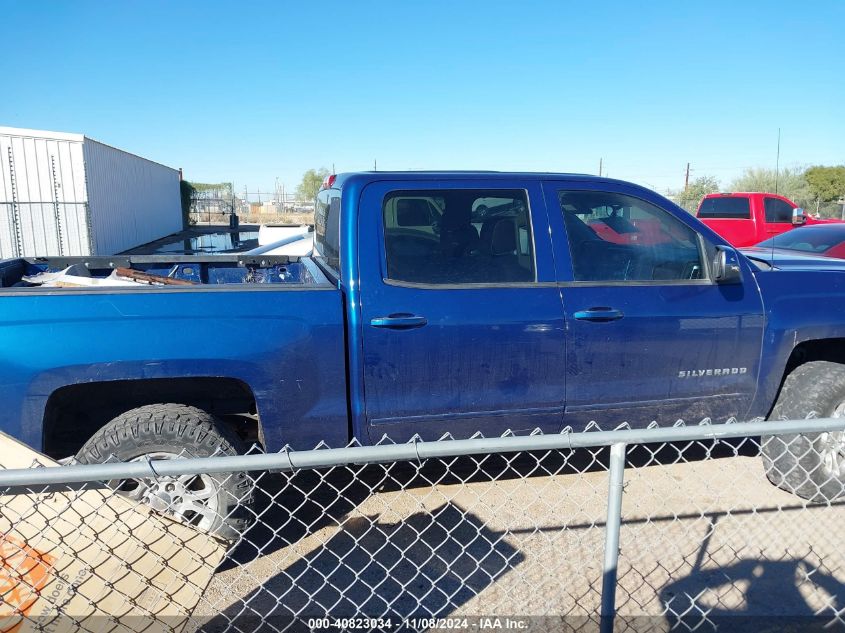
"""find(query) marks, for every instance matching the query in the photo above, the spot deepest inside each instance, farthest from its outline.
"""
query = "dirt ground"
(525, 535)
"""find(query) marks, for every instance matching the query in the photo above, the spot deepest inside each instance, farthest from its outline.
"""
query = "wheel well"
(831, 349)
(74, 413)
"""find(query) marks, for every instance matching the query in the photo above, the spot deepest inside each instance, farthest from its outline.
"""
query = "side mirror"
(798, 216)
(726, 269)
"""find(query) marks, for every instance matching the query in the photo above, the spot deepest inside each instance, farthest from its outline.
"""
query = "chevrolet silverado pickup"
(434, 303)
(745, 219)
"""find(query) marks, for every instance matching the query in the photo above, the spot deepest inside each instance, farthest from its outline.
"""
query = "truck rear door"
(462, 325)
(650, 336)
(731, 217)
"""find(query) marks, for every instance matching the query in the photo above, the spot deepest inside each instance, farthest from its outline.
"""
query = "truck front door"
(462, 324)
(650, 337)
(778, 214)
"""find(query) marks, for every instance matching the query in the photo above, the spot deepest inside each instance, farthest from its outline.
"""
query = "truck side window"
(725, 208)
(615, 237)
(327, 229)
(458, 236)
(777, 210)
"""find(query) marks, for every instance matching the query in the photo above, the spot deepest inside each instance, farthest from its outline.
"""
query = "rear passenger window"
(777, 210)
(327, 229)
(725, 208)
(614, 237)
(458, 236)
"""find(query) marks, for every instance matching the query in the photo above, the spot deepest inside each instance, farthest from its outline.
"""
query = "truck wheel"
(810, 465)
(218, 504)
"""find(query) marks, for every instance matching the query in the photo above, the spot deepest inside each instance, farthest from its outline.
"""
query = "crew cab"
(745, 219)
(434, 303)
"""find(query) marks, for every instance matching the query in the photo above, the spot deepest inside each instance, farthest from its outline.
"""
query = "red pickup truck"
(745, 219)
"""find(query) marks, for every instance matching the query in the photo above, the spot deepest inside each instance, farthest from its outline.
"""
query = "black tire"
(796, 463)
(179, 430)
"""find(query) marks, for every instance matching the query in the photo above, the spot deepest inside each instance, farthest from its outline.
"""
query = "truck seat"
(499, 250)
(458, 236)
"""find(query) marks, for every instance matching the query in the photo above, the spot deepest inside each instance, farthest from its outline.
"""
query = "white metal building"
(67, 194)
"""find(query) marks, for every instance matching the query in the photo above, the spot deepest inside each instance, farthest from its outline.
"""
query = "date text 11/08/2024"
(481, 623)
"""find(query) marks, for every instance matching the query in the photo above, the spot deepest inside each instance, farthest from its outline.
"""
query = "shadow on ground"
(427, 564)
(433, 562)
(754, 594)
(289, 506)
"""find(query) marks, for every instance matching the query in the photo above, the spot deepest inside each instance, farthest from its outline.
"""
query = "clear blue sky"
(251, 91)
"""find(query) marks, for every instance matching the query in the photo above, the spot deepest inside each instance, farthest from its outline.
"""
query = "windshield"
(807, 240)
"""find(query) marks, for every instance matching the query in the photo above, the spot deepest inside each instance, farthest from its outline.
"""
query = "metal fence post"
(611, 536)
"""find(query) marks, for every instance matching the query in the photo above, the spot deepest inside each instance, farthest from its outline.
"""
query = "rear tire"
(218, 503)
(811, 465)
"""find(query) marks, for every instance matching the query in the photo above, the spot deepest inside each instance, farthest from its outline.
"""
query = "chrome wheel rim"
(193, 498)
(831, 447)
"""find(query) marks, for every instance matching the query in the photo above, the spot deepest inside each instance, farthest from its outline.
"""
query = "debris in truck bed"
(64, 279)
(78, 277)
(153, 280)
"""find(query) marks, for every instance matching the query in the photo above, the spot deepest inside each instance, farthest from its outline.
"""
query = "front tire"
(810, 465)
(214, 503)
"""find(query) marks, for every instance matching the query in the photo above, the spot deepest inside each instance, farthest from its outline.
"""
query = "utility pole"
(375, 165)
(686, 179)
(600, 162)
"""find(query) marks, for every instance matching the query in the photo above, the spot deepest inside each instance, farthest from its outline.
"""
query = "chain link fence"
(216, 204)
(687, 528)
(250, 215)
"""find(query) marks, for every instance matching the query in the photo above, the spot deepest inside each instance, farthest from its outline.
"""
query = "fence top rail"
(410, 451)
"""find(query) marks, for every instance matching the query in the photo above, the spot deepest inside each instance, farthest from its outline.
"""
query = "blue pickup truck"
(434, 303)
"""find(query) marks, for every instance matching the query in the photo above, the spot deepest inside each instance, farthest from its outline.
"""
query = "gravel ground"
(525, 537)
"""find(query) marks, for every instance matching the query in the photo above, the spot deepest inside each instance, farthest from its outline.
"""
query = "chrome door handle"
(399, 321)
(599, 315)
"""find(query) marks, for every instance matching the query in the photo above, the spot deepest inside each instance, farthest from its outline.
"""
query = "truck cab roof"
(363, 177)
(742, 194)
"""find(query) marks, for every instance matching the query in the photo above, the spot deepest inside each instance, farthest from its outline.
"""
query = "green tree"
(186, 193)
(789, 182)
(697, 189)
(826, 183)
(310, 185)
(214, 189)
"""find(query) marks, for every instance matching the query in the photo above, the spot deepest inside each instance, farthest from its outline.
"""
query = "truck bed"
(122, 273)
(258, 322)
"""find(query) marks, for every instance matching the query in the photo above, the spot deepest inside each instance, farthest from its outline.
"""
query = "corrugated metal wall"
(132, 200)
(65, 194)
(43, 199)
